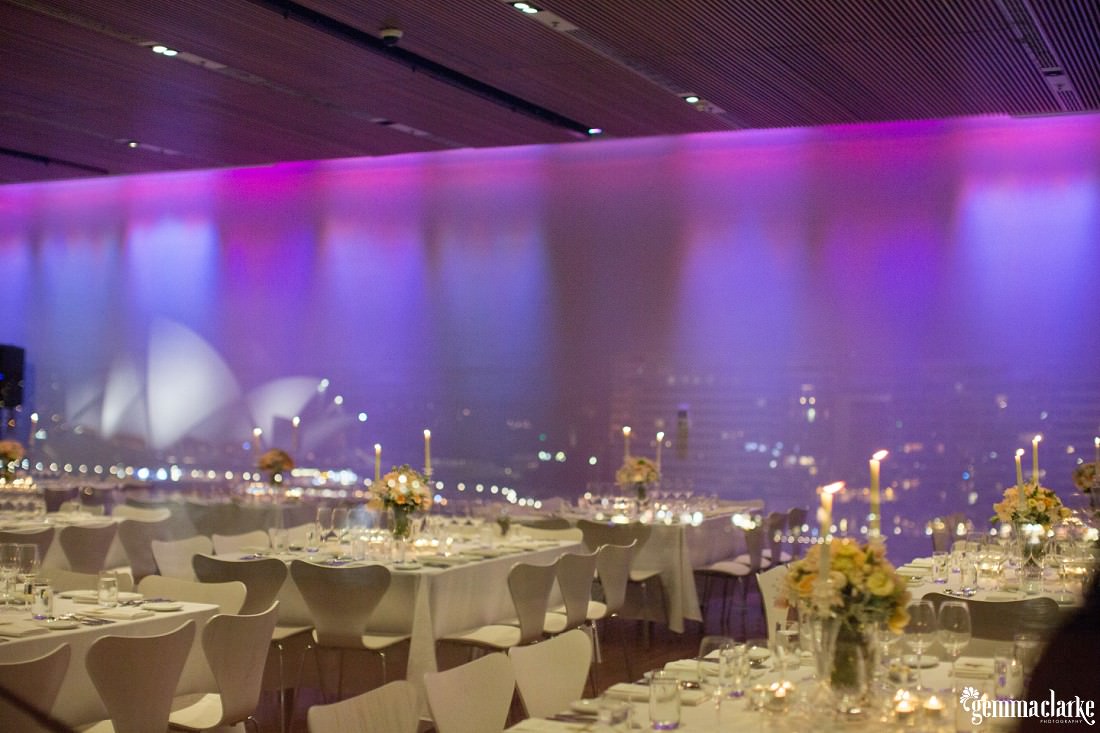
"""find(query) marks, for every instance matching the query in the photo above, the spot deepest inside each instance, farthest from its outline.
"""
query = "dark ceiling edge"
(350, 34)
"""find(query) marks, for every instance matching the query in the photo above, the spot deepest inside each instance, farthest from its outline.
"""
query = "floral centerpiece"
(1038, 506)
(275, 463)
(403, 491)
(1087, 480)
(11, 453)
(638, 472)
(863, 589)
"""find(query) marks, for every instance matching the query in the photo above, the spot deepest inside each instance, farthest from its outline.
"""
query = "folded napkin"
(974, 668)
(16, 629)
(120, 613)
(640, 693)
(920, 562)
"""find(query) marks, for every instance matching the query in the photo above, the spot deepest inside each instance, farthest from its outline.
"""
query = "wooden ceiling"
(264, 81)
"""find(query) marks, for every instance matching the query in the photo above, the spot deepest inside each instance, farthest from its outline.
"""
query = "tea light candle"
(377, 461)
(904, 710)
(1035, 458)
(778, 696)
(428, 452)
(933, 708)
(626, 441)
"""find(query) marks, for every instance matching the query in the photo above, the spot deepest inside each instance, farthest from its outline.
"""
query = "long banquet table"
(78, 702)
(431, 602)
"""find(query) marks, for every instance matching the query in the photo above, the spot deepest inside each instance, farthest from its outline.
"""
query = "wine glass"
(9, 568)
(715, 667)
(340, 523)
(324, 524)
(920, 632)
(785, 643)
(954, 631)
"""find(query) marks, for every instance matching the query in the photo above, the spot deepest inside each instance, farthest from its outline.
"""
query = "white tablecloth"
(78, 703)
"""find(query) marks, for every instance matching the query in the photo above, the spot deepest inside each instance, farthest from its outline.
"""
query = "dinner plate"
(585, 707)
(413, 565)
(163, 606)
(60, 624)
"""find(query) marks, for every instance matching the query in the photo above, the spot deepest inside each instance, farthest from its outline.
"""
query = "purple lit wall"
(518, 300)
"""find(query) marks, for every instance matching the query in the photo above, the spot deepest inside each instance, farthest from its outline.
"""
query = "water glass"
(664, 700)
(941, 564)
(107, 590)
(1026, 649)
(42, 600)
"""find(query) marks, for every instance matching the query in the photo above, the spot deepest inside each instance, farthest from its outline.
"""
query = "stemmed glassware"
(323, 525)
(340, 523)
(786, 647)
(9, 568)
(954, 631)
(920, 632)
(716, 664)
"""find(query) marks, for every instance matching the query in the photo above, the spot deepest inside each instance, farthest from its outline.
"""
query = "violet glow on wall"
(534, 299)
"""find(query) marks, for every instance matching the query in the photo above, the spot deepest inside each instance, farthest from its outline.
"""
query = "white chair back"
(86, 546)
(613, 568)
(552, 673)
(228, 597)
(472, 698)
(575, 573)
(340, 600)
(391, 708)
(136, 676)
(34, 681)
(264, 577)
(174, 556)
(530, 587)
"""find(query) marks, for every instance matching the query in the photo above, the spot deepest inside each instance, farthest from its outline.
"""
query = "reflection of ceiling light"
(132, 144)
(525, 8)
(164, 50)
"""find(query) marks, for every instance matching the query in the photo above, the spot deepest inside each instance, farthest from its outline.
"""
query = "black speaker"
(11, 376)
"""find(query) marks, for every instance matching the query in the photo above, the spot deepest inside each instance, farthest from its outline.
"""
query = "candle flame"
(880, 455)
(833, 488)
(295, 421)
(1019, 452)
(626, 430)
(427, 434)
(377, 447)
(661, 436)
(1094, 440)
(257, 432)
(1036, 439)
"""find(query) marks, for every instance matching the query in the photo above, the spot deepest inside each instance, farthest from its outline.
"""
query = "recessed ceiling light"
(691, 98)
(164, 50)
(132, 143)
(525, 8)
(595, 130)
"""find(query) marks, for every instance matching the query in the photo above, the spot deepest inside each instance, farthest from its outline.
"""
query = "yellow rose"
(898, 620)
(880, 584)
(805, 586)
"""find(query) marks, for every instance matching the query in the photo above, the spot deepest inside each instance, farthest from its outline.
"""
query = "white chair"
(86, 546)
(36, 683)
(236, 649)
(174, 556)
(552, 673)
(770, 582)
(529, 586)
(41, 537)
(341, 601)
(613, 570)
(136, 536)
(136, 678)
(125, 511)
(391, 708)
(472, 698)
(574, 574)
(1002, 620)
(264, 579)
(738, 572)
(228, 597)
(229, 544)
